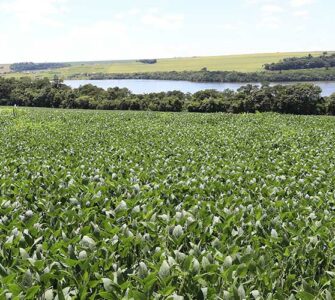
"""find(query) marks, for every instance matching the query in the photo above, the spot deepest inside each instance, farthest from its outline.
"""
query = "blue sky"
(76, 30)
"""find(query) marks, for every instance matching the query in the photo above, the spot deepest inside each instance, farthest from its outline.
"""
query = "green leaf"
(60, 293)
(303, 295)
(32, 292)
(137, 295)
(149, 282)
(14, 288)
(308, 288)
(108, 295)
(242, 270)
(3, 271)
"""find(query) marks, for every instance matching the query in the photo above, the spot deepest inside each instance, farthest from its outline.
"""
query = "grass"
(243, 63)
(143, 205)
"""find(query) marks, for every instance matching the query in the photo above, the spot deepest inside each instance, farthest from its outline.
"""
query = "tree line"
(220, 76)
(306, 62)
(147, 61)
(30, 66)
(292, 99)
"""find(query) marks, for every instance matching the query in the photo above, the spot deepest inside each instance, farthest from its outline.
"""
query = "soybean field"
(149, 205)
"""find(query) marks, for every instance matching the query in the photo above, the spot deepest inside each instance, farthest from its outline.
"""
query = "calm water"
(138, 86)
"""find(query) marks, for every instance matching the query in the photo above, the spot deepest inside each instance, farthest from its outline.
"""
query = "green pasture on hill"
(243, 63)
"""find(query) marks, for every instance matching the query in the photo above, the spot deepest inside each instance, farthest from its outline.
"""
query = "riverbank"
(302, 99)
(220, 76)
(146, 86)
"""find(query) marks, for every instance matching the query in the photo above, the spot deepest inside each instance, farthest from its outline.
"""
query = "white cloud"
(270, 22)
(121, 36)
(271, 15)
(30, 12)
(230, 26)
(102, 40)
(258, 2)
(127, 14)
(300, 3)
(273, 12)
(134, 12)
(141, 32)
(160, 21)
(294, 3)
(153, 17)
(271, 8)
(101, 36)
(301, 13)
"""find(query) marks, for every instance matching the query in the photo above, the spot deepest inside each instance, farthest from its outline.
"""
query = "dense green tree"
(116, 93)
(293, 99)
(30, 66)
(331, 104)
(91, 90)
(307, 62)
(148, 61)
(298, 99)
(84, 102)
(225, 76)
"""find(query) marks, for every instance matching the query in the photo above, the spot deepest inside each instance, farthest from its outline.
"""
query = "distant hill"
(241, 63)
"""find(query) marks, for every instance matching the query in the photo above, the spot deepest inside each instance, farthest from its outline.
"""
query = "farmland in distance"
(242, 63)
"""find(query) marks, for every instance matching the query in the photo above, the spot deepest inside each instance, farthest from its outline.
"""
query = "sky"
(84, 30)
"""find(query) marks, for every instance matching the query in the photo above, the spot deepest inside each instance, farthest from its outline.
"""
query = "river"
(138, 86)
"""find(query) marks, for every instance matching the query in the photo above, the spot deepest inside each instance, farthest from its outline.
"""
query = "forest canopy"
(291, 99)
(30, 66)
(306, 62)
